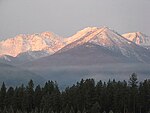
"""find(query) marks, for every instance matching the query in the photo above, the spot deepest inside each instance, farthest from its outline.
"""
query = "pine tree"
(84, 111)
(9, 97)
(133, 91)
(11, 109)
(99, 92)
(78, 111)
(110, 111)
(67, 109)
(37, 97)
(2, 96)
(72, 110)
(95, 108)
(133, 81)
(30, 94)
(5, 110)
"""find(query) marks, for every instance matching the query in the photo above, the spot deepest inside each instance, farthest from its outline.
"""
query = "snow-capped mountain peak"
(39, 45)
(101, 36)
(80, 34)
(139, 38)
(104, 37)
(46, 41)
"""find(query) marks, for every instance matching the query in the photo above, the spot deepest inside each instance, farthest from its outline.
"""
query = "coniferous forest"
(86, 96)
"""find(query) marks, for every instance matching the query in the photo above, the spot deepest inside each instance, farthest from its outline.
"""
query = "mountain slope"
(139, 38)
(82, 55)
(13, 76)
(23, 57)
(94, 47)
(46, 41)
(111, 40)
(97, 53)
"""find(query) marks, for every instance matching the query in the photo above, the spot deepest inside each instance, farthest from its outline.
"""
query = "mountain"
(13, 76)
(97, 45)
(80, 34)
(105, 37)
(45, 42)
(25, 48)
(94, 52)
(139, 38)
(23, 57)
(7, 59)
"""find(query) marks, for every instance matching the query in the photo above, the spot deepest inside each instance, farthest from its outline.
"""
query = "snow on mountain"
(101, 36)
(46, 41)
(6, 58)
(80, 34)
(24, 48)
(95, 46)
(93, 52)
(139, 38)
(105, 37)
(32, 55)
(23, 57)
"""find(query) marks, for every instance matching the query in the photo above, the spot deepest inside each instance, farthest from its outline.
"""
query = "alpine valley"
(93, 52)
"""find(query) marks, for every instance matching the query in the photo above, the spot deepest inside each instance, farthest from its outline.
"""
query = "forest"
(86, 96)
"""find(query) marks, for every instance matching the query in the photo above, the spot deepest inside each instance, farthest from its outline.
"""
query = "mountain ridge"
(91, 52)
(88, 56)
(115, 43)
(13, 75)
(108, 38)
(25, 48)
(46, 41)
(138, 38)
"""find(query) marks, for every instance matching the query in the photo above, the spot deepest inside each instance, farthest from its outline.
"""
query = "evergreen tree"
(133, 92)
(30, 94)
(37, 97)
(11, 109)
(67, 109)
(99, 92)
(110, 111)
(84, 111)
(5, 110)
(9, 97)
(78, 111)
(72, 110)
(95, 108)
(2, 96)
(85, 96)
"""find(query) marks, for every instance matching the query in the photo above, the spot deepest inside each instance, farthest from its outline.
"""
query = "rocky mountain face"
(23, 57)
(99, 51)
(24, 48)
(95, 53)
(110, 40)
(45, 42)
(139, 38)
(94, 46)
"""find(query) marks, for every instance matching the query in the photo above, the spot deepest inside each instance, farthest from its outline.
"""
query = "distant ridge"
(94, 52)
(94, 45)
(46, 41)
(139, 38)
(25, 48)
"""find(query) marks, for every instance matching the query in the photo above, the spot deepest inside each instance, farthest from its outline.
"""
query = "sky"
(66, 17)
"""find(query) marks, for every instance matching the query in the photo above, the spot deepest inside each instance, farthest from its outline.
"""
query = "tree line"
(86, 96)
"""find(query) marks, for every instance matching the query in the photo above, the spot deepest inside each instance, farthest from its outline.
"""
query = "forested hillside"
(86, 96)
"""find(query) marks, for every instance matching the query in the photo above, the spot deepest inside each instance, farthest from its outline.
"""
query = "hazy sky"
(66, 17)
